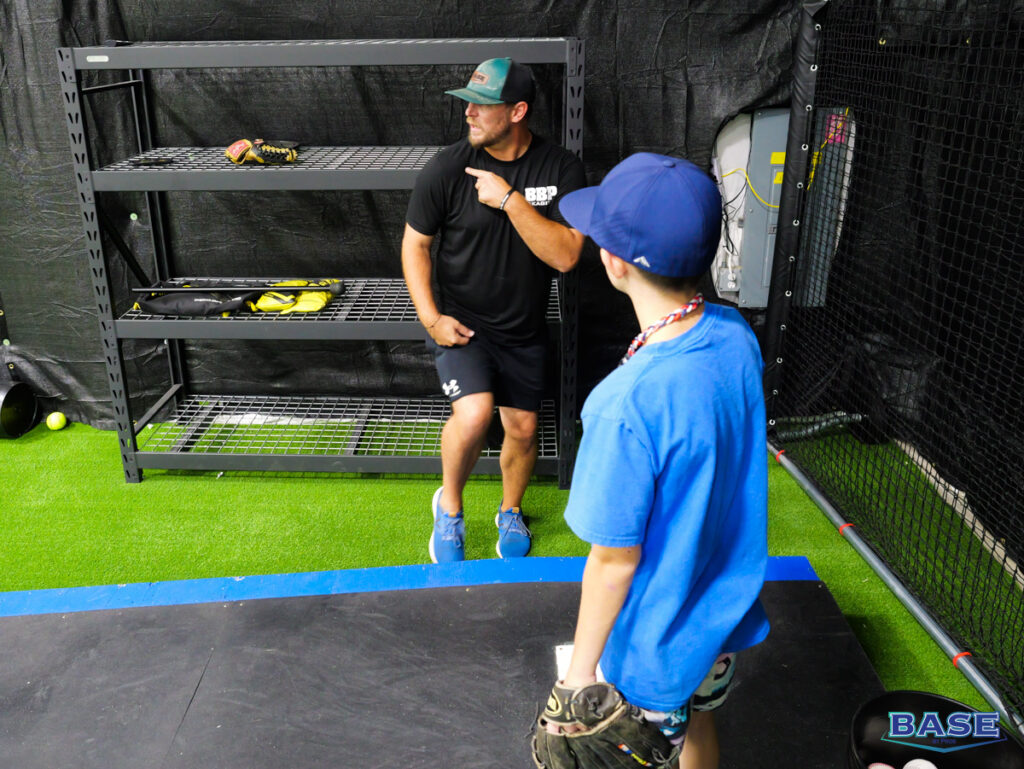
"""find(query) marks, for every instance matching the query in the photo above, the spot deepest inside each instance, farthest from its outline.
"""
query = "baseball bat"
(335, 288)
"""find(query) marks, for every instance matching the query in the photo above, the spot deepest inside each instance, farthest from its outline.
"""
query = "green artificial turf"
(902, 653)
(70, 520)
(899, 511)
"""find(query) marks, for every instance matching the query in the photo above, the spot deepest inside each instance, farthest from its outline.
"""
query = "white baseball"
(919, 763)
(880, 765)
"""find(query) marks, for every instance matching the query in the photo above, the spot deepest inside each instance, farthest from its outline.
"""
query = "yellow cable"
(840, 125)
(744, 172)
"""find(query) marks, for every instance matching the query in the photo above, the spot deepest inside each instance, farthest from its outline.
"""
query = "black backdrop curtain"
(660, 76)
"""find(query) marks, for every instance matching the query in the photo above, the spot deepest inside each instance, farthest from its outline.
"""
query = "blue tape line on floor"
(467, 573)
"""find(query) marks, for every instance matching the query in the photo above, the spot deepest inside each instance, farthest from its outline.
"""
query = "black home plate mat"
(427, 678)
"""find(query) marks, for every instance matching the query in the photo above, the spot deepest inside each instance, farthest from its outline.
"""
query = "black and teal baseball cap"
(498, 81)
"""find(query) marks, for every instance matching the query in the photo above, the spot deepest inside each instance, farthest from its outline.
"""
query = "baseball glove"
(614, 733)
(260, 151)
(297, 296)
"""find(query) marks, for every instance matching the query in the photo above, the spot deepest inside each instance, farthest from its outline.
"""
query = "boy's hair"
(675, 285)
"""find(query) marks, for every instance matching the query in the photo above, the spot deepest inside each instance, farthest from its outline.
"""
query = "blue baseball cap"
(660, 213)
(498, 81)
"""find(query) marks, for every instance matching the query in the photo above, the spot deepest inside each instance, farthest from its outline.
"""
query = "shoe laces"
(450, 528)
(279, 154)
(510, 522)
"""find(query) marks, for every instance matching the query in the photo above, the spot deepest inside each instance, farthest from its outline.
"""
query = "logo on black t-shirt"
(540, 196)
(451, 388)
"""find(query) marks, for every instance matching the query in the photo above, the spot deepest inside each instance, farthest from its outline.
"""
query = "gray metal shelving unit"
(370, 309)
(185, 430)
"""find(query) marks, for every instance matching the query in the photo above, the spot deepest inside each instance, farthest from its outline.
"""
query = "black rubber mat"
(433, 678)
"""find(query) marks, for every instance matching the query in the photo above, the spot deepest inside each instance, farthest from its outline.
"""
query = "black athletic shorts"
(515, 375)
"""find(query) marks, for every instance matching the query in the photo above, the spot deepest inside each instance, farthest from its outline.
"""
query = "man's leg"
(518, 454)
(519, 388)
(462, 439)
(700, 750)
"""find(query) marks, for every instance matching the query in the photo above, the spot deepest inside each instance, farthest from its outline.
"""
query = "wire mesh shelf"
(316, 168)
(313, 426)
(348, 42)
(322, 53)
(372, 304)
(327, 158)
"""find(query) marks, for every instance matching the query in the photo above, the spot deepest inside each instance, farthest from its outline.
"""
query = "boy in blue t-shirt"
(670, 486)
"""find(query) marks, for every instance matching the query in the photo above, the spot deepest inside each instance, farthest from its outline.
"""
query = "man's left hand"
(490, 188)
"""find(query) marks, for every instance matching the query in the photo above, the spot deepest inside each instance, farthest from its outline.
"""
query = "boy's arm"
(607, 577)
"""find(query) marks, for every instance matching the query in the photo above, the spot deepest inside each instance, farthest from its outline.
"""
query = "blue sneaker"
(513, 536)
(448, 536)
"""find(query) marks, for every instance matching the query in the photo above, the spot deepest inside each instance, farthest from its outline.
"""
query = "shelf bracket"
(122, 247)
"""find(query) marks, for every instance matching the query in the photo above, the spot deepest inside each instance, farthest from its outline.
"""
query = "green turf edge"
(71, 520)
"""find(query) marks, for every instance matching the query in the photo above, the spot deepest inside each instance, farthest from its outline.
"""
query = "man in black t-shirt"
(491, 202)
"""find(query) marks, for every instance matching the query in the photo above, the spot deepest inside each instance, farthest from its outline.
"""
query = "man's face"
(489, 124)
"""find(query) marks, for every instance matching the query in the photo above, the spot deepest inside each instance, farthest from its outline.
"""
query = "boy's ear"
(615, 267)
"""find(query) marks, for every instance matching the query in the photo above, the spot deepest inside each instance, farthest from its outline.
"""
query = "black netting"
(900, 390)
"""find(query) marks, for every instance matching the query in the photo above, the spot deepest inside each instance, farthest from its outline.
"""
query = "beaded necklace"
(677, 314)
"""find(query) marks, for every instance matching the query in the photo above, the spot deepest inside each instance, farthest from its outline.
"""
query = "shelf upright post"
(97, 262)
(569, 289)
(157, 220)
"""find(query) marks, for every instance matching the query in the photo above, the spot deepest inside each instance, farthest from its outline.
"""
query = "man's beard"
(489, 140)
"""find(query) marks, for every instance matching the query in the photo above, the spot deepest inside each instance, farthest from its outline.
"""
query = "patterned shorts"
(710, 695)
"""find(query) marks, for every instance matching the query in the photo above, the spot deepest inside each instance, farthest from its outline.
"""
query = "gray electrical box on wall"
(750, 153)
